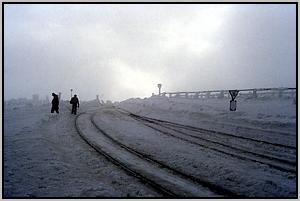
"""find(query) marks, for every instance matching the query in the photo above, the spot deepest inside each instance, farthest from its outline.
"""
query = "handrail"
(208, 93)
(226, 90)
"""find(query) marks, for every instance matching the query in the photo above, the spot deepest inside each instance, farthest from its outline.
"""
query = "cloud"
(123, 51)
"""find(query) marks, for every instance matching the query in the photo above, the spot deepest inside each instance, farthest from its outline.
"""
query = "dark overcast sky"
(123, 51)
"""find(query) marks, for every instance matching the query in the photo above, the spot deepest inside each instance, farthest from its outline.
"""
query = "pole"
(159, 88)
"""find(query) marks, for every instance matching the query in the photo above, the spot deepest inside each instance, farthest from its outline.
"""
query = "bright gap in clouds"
(132, 81)
(194, 34)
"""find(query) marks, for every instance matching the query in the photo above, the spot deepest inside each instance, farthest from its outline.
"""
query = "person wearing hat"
(55, 103)
(75, 102)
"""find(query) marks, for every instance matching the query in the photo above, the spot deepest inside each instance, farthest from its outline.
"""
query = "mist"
(120, 51)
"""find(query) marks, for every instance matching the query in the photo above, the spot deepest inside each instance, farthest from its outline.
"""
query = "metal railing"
(250, 93)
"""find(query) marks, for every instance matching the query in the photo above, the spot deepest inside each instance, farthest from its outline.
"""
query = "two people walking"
(55, 104)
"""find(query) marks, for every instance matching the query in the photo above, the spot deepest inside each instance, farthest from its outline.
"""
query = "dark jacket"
(55, 101)
(74, 101)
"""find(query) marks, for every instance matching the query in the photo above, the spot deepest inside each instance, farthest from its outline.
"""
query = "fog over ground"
(124, 50)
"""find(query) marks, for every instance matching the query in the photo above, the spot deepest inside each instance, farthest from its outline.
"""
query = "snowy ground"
(259, 113)
(44, 156)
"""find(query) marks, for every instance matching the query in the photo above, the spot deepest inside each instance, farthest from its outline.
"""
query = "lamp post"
(71, 92)
(159, 88)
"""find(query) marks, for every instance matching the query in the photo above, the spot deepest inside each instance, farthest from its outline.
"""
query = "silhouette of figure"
(75, 102)
(55, 103)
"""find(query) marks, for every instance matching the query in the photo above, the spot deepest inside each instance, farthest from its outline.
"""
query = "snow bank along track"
(166, 180)
(275, 155)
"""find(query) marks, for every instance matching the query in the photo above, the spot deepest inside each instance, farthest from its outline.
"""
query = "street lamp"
(159, 88)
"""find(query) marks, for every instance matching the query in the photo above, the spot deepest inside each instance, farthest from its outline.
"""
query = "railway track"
(202, 130)
(99, 149)
(171, 129)
(272, 152)
(166, 180)
(224, 138)
(192, 128)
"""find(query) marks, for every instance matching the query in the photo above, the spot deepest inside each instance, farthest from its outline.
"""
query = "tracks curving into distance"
(115, 161)
(192, 128)
(165, 179)
(191, 134)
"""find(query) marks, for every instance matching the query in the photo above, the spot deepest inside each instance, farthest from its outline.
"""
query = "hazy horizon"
(120, 51)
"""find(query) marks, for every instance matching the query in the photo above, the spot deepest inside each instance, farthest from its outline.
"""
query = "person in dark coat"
(75, 102)
(55, 103)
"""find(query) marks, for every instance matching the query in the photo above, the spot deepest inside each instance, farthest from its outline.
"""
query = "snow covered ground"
(44, 156)
(279, 114)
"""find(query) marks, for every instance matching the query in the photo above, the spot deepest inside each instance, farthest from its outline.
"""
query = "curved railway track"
(171, 129)
(165, 179)
(154, 185)
(201, 130)
(171, 182)
(164, 192)
(213, 187)
(187, 127)
(258, 145)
